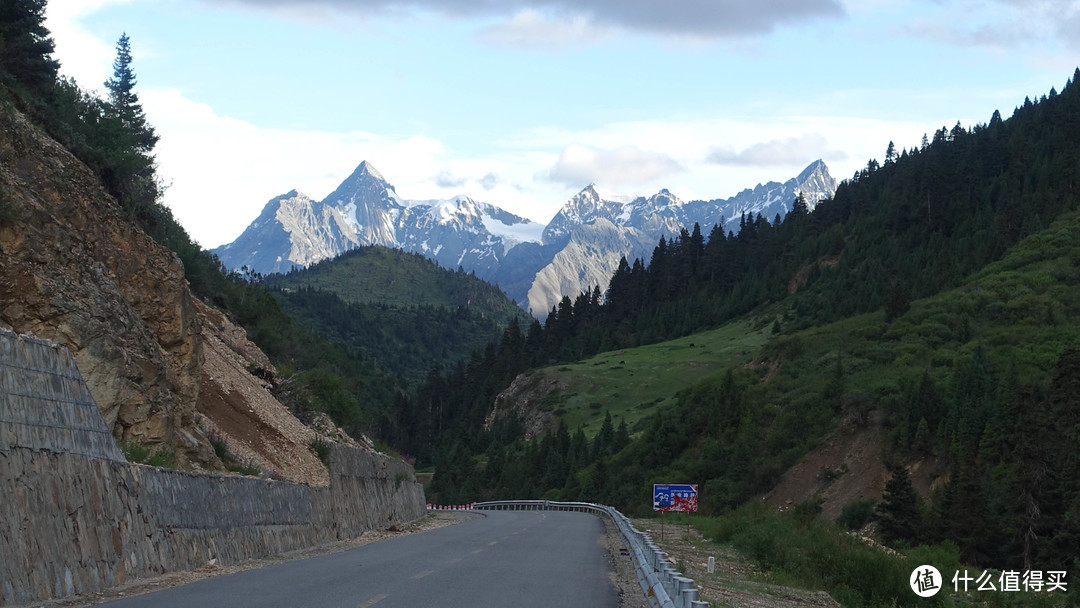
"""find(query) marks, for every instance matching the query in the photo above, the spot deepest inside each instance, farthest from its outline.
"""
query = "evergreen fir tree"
(124, 101)
(622, 436)
(25, 46)
(898, 515)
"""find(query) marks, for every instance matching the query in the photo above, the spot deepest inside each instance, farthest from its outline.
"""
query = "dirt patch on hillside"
(849, 466)
(525, 398)
(846, 467)
(803, 273)
(236, 406)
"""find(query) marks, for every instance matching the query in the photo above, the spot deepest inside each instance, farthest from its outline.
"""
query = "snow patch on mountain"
(515, 233)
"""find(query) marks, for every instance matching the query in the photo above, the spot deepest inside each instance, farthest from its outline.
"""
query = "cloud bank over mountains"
(521, 18)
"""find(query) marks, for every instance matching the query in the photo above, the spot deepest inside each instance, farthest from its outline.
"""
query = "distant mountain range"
(535, 265)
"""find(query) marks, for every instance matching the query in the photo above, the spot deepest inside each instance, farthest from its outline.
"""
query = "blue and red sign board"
(674, 497)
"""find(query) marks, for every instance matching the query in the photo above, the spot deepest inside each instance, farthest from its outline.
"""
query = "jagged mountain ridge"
(295, 231)
(587, 257)
(536, 265)
(666, 209)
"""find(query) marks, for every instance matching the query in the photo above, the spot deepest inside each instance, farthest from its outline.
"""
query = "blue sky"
(522, 103)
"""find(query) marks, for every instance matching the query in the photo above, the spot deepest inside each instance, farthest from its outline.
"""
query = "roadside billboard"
(675, 497)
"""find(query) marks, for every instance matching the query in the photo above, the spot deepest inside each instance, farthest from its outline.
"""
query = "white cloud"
(223, 170)
(698, 18)
(790, 151)
(580, 165)
(446, 179)
(82, 56)
(1001, 25)
(532, 29)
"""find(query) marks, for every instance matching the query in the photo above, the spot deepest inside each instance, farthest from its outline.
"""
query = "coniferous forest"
(944, 279)
(935, 301)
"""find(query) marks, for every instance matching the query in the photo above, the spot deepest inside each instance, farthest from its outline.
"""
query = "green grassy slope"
(1022, 311)
(956, 360)
(379, 275)
(740, 406)
(631, 384)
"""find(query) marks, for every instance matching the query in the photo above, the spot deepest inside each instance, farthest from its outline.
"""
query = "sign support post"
(674, 497)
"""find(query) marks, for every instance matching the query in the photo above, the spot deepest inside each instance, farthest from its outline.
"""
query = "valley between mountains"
(859, 376)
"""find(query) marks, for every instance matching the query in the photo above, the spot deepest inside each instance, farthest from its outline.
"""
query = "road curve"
(508, 558)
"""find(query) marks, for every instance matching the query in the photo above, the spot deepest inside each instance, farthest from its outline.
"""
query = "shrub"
(231, 462)
(321, 447)
(137, 452)
(220, 449)
(857, 514)
(813, 553)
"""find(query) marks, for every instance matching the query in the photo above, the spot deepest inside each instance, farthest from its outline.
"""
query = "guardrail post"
(680, 588)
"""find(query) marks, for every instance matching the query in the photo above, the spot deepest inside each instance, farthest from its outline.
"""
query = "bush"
(140, 453)
(813, 553)
(220, 449)
(231, 462)
(321, 447)
(857, 514)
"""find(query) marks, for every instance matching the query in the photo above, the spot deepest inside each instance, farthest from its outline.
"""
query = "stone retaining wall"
(75, 517)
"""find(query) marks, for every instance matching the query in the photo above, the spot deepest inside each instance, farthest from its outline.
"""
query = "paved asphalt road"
(521, 559)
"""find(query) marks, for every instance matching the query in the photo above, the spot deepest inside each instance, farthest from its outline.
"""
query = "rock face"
(589, 257)
(166, 370)
(74, 271)
(522, 400)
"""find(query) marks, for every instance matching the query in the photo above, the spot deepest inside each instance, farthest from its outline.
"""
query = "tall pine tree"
(130, 171)
(25, 46)
(898, 515)
(124, 101)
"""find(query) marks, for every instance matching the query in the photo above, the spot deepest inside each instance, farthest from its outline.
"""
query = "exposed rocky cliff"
(588, 258)
(73, 270)
(166, 370)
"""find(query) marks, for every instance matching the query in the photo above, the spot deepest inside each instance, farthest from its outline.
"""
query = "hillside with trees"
(935, 298)
(935, 295)
(398, 309)
(111, 136)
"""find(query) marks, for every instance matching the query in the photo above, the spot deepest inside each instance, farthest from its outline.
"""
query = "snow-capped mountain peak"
(581, 245)
(366, 168)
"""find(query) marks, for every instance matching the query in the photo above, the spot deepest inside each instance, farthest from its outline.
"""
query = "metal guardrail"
(661, 584)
